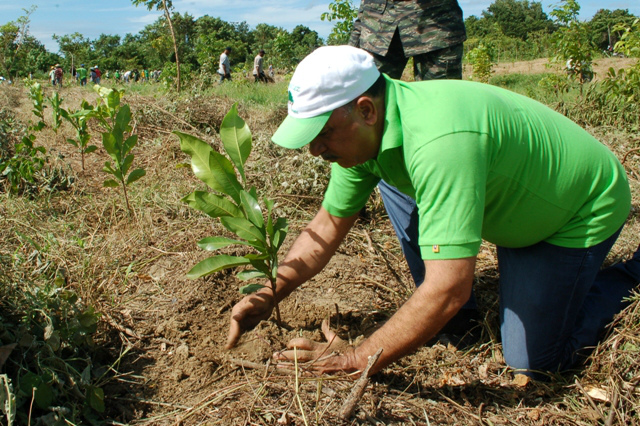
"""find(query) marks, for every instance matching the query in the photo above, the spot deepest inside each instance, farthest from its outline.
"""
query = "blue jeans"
(555, 302)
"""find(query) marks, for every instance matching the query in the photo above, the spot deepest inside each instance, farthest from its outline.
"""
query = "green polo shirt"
(483, 162)
(81, 73)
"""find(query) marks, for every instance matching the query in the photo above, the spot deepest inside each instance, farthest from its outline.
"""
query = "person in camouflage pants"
(430, 31)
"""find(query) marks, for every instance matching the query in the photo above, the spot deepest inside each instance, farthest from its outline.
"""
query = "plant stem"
(126, 198)
(275, 301)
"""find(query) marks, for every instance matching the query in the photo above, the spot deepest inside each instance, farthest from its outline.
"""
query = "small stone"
(182, 351)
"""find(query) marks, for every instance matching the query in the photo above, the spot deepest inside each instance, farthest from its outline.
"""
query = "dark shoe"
(463, 330)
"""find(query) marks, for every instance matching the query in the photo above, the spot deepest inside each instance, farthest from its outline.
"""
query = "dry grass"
(132, 269)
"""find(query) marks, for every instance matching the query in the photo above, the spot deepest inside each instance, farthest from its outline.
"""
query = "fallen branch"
(629, 152)
(358, 390)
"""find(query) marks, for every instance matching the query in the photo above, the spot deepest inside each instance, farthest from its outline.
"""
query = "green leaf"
(224, 175)
(72, 142)
(109, 143)
(85, 377)
(135, 175)
(128, 160)
(252, 209)
(129, 144)
(123, 118)
(262, 264)
(211, 167)
(110, 183)
(269, 204)
(251, 288)
(90, 149)
(43, 394)
(250, 274)
(280, 229)
(213, 205)
(108, 168)
(236, 138)
(95, 397)
(244, 229)
(215, 264)
(216, 243)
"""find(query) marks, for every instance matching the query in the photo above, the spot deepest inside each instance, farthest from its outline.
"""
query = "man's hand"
(334, 356)
(248, 313)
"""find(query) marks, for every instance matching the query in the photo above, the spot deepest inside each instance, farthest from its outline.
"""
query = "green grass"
(248, 92)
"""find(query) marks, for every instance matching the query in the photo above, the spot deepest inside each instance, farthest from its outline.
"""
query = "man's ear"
(367, 109)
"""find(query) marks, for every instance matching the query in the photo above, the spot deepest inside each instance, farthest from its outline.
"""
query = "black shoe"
(463, 330)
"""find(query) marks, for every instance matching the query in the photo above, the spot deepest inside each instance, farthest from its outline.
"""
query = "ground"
(171, 330)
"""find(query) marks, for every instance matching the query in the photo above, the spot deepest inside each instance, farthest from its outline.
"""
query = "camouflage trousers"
(443, 63)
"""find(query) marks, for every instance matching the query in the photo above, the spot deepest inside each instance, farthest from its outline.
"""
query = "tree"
(73, 46)
(165, 5)
(13, 36)
(105, 51)
(603, 23)
(518, 18)
(344, 13)
(573, 40)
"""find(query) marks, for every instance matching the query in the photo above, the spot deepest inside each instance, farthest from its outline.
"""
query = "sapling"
(118, 139)
(56, 111)
(236, 207)
(78, 119)
(37, 98)
(119, 149)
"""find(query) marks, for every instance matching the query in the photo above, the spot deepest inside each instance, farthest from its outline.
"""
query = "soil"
(539, 66)
(171, 330)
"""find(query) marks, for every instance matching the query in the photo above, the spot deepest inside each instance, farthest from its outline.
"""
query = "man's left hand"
(314, 357)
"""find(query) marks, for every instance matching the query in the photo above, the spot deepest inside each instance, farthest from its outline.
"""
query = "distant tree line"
(521, 30)
(200, 43)
(510, 29)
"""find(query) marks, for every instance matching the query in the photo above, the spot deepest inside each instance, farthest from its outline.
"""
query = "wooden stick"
(354, 397)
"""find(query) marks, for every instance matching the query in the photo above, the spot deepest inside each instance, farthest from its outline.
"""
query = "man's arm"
(445, 290)
(310, 252)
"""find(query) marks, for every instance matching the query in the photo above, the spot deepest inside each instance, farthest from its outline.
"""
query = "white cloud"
(147, 19)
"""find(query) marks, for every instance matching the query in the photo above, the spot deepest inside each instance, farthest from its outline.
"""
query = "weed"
(51, 370)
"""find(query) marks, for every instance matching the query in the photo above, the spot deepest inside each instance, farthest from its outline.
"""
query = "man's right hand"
(248, 313)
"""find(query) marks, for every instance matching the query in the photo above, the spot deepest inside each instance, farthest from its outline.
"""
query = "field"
(158, 353)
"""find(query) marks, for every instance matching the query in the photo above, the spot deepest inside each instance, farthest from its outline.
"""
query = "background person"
(82, 75)
(429, 31)
(225, 65)
(258, 71)
(58, 73)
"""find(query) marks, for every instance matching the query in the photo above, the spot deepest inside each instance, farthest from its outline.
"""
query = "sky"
(119, 17)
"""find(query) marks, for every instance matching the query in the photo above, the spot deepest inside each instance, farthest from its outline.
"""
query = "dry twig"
(354, 397)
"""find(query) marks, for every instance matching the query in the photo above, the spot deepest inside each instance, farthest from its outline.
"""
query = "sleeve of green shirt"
(449, 175)
(348, 190)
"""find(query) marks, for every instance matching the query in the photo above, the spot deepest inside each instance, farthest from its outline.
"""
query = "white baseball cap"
(328, 78)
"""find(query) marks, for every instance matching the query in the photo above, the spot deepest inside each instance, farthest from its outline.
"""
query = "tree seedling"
(56, 111)
(236, 207)
(37, 98)
(78, 119)
(117, 140)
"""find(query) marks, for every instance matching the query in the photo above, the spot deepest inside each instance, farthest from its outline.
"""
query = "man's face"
(346, 139)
